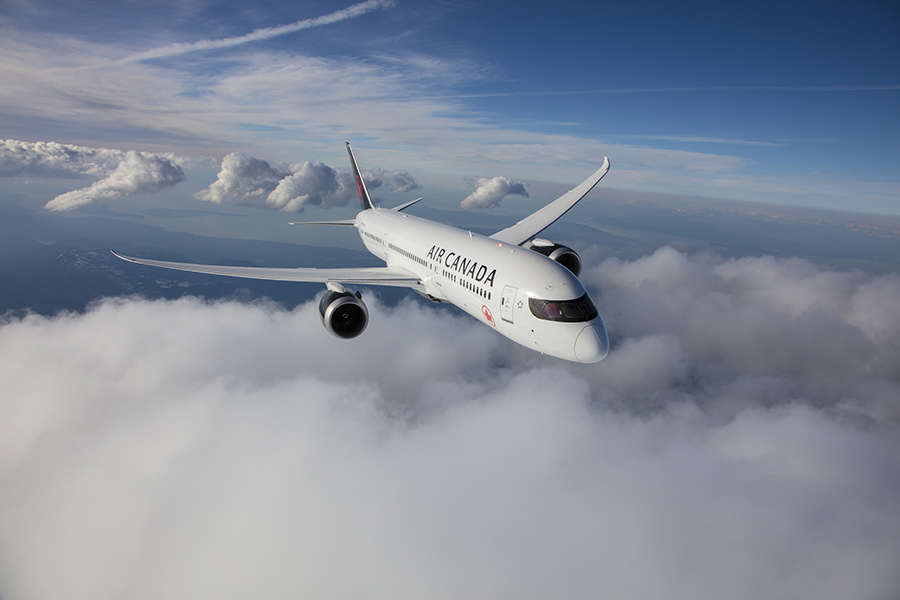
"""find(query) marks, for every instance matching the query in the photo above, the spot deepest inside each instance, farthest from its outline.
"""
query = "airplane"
(524, 287)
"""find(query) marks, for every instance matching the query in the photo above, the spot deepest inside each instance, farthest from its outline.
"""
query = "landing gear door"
(506, 303)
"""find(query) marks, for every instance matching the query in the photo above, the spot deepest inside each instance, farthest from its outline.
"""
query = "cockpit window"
(568, 311)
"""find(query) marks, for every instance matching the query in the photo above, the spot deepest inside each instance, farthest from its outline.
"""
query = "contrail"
(264, 33)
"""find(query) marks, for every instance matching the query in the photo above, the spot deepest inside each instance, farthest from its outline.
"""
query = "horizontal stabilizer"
(406, 205)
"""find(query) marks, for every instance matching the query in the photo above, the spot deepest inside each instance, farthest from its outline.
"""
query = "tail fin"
(364, 197)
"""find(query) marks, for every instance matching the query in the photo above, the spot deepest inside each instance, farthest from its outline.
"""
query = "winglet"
(364, 197)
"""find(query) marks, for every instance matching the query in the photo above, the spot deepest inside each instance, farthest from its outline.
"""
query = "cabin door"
(506, 303)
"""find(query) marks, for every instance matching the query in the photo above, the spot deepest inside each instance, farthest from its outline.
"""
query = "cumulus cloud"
(247, 180)
(137, 172)
(402, 181)
(186, 449)
(489, 191)
(242, 179)
(19, 158)
(310, 183)
(396, 181)
(123, 172)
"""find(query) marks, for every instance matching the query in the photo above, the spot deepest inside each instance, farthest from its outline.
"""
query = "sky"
(177, 435)
(789, 104)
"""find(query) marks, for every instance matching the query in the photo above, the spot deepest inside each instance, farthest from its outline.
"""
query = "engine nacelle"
(344, 314)
(561, 254)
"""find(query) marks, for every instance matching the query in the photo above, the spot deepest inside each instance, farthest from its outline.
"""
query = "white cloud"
(123, 172)
(396, 181)
(739, 430)
(265, 33)
(137, 172)
(247, 180)
(242, 179)
(316, 100)
(406, 102)
(489, 191)
(19, 158)
(311, 183)
(402, 181)
(760, 328)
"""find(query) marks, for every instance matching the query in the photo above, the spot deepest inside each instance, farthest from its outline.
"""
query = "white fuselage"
(490, 280)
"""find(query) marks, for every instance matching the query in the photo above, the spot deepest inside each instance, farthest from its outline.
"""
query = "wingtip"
(122, 256)
(604, 168)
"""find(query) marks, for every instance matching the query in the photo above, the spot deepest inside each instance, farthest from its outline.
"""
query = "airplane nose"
(592, 344)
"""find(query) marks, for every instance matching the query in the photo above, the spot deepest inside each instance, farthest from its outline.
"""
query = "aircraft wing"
(389, 276)
(541, 219)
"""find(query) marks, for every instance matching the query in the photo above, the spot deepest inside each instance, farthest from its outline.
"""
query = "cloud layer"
(123, 172)
(489, 191)
(247, 180)
(740, 441)
(753, 330)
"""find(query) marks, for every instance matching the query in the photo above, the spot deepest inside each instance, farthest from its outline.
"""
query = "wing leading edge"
(541, 219)
(388, 276)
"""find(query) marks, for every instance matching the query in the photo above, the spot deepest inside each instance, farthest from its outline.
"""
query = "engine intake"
(344, 314)
(561, 254)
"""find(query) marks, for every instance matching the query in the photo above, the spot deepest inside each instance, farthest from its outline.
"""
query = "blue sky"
(792, 104)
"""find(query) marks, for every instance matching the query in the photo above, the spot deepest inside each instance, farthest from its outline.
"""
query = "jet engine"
(561, 254)
(344, 314)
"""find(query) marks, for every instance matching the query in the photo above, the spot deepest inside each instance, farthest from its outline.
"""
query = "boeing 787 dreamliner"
(524, 287)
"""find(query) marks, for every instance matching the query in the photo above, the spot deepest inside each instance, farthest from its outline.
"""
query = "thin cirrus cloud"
(252, 181)
(696, 139)
(193, 106)
(490, 191)
(323, 99)
(122, 173)
(265, 33)
(745, 422)
(889, 87)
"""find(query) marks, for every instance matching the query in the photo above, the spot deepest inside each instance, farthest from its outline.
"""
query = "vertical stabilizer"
(364, 197)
